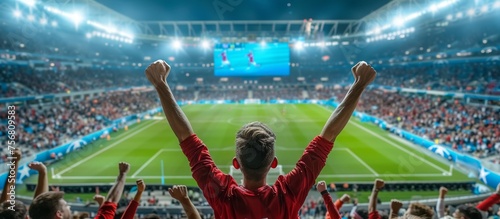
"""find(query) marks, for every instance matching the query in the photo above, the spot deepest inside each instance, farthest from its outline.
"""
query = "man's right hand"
(396, 205)
(442, 191)
(379, 184)
(157, 72)
(123, 167)
(321, 186)
(363, 73)
(141, 186)
(345, 198)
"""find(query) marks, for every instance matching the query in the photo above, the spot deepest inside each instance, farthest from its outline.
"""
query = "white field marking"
(323, 176)
(362, 162)
(395, 145)
(173, 150)
(114, 177)
(147, 163)
(106, 148)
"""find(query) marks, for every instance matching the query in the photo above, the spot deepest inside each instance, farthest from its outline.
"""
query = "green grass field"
(362, 152)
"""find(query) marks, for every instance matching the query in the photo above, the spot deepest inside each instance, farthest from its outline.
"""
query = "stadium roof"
(244, 9)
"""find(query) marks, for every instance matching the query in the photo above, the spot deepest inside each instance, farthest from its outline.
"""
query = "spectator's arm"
(344, 199)
(108, 209)
(440, 202)
(157, 74)
(395, 206)
(490, 201)
(115, 193)
(10, 182)
(43, 182)
(372, 205)
(132, 206)
(180, 193)
(364, 74)
(330, 207)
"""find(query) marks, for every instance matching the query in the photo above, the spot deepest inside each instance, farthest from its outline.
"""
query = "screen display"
(252, 59)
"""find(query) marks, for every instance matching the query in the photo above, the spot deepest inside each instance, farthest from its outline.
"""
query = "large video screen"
(252, 59)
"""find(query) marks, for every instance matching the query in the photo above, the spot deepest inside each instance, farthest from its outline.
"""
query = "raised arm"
(330, 207)
(157, 74)
(10, 180)
(440, 202)
(344, 199)
(43, 181)
(490, 201)
(372, 205)
(180, 193)
(395, 206)
(364, 74)
(132, 206)
(108, 209)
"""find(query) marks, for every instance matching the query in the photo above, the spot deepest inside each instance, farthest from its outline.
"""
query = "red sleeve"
(330, 207)
(338, 204)
(374, 215)
(210, 179)
(490, 201)
(106, 211)
(131, 209)
(301, 179)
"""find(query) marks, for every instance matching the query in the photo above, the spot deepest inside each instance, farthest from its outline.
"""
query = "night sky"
(169, 10)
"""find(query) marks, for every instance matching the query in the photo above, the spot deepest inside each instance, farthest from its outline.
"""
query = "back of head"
(420, 210)
(255, 150)
(469, 212)
(16, 210)
(46, 205)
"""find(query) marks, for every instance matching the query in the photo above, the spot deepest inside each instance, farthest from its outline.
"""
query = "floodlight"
(299, 45)
(398, 22)
(31, 17)
(17, 13)
(205, 44)
(177, 44)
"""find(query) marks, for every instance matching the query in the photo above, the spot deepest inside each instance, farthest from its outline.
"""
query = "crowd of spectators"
(45, 127)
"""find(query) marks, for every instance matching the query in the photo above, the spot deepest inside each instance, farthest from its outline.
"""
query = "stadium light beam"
(205, 44)
(299, 45)
(29, 3)
(177, 44)
(398, 22)
(497, 4)
(17, 13)
(76, 17)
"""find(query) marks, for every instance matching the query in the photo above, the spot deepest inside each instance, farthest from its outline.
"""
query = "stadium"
(75, 101)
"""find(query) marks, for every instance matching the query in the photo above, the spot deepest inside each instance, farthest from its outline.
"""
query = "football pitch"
(362, 152)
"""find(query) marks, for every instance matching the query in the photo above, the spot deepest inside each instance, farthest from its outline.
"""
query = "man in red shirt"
(255, 156)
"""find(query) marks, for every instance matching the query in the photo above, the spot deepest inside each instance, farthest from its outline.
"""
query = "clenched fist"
(157, 72)
(363, 73)
(123, 167)
(38, 166)
(379, 184)
(321, 186)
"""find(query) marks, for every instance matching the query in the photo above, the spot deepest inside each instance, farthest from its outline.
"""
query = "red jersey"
(130, 211)
(281, 200)
(331, 211)
(106, 211)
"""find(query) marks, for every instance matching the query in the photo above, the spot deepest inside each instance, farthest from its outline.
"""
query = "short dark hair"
(420, 210)
(16, 211)
(255, 149)
(46, 205)
(469, 212)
